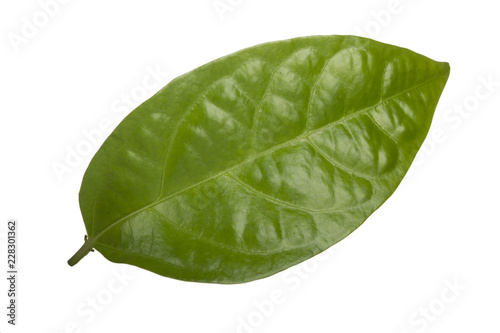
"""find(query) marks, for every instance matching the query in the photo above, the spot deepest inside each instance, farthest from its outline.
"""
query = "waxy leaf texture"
(259, 160)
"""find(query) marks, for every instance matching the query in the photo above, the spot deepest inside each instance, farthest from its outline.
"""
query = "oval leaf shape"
(259, 160)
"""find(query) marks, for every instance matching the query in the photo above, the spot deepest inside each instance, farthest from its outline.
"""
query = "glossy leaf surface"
(261, 159)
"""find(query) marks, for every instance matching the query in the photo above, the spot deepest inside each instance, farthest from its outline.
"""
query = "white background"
(76, 68)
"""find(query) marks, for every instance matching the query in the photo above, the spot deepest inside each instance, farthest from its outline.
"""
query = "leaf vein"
(275, 200)
(263, 153)
(334, 163)
(313, 91)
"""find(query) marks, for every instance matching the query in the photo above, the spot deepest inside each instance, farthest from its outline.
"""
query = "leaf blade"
(250, 202)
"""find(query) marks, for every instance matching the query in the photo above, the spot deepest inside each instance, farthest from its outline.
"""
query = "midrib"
(264, 153)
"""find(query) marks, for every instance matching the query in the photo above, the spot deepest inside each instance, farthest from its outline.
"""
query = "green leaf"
(259, 160)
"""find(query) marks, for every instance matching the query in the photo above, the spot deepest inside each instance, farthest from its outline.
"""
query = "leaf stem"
(82, 252)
